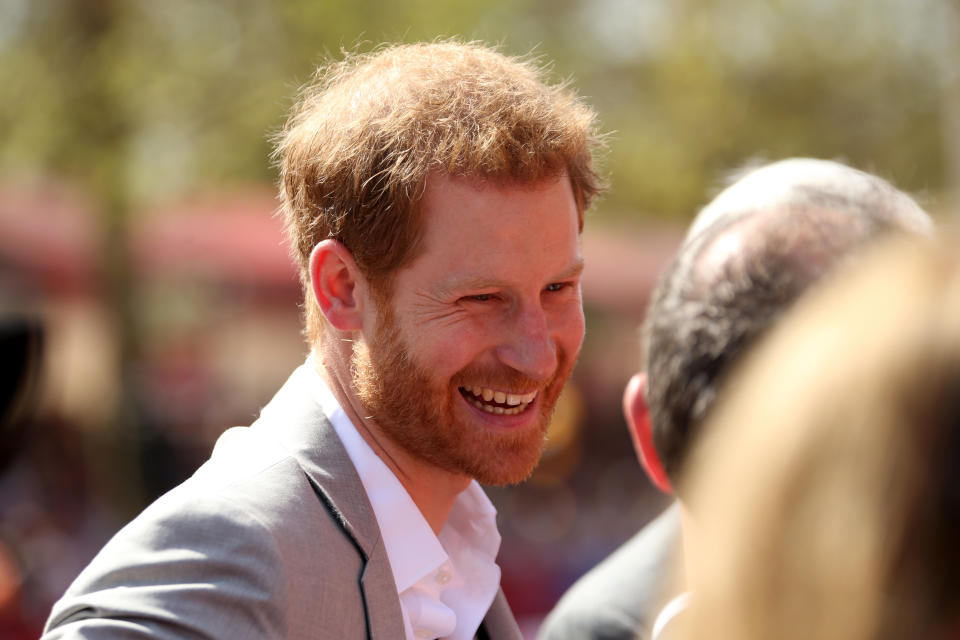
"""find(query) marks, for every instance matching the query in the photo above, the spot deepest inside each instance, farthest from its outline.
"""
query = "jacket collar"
(302, 428)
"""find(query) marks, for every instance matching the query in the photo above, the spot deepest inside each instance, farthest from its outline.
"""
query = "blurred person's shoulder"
(621, 596)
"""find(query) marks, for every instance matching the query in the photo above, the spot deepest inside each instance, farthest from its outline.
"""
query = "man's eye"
(557, 286)
(480, 297)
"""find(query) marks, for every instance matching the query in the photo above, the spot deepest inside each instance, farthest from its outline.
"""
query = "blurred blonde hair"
(826, 491)
(359, 146)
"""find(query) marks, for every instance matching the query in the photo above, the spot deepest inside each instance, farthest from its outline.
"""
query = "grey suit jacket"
(273, 537)
(620, 598)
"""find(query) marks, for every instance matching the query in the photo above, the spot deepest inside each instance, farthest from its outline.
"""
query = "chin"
(505, 459)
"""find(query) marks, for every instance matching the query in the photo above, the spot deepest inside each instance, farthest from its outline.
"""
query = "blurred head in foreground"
(827, 487)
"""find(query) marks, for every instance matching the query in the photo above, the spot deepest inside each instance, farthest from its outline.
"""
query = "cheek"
(570, 327)
(445, 353)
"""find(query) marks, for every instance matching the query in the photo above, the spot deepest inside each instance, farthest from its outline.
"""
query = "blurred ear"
(334, 279)
(637, 413)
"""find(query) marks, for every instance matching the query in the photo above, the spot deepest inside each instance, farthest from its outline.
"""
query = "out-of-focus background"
(147, 301)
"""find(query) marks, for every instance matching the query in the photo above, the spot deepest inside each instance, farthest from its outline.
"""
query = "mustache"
(501, 377)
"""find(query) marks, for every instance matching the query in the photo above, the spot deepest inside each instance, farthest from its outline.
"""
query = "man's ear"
(637, 413)
(334, 280)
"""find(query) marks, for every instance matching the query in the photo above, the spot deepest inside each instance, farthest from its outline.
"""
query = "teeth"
(499, 410)
(516, 402)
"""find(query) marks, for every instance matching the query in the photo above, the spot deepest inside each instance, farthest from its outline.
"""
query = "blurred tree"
(951, 104)
(159, 98)
(141, 100)
(696, 87)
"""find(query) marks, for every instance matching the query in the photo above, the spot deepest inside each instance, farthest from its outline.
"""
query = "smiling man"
(434, 196)
(479, 336)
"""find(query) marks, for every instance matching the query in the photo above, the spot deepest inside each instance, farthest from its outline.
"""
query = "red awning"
(231, 238)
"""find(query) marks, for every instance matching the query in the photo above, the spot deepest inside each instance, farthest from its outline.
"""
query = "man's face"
(464, 367)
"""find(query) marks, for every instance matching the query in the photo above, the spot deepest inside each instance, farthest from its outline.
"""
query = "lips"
(497, 402)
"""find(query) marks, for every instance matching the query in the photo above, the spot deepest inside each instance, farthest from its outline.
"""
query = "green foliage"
(744, 79)
(144, 100)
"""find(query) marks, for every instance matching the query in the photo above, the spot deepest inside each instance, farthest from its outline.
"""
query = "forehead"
(487, 226)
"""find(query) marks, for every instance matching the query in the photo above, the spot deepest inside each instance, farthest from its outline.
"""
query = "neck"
(432, 489)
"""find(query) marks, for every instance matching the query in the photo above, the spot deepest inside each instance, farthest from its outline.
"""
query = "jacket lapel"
(499, 623)
(306, 432)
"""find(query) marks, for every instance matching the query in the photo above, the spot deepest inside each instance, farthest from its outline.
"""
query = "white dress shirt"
(446, 583)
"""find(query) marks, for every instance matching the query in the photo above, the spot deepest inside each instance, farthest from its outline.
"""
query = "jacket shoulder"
(230, 553)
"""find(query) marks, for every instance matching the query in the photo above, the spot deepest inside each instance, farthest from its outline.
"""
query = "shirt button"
(443, 576)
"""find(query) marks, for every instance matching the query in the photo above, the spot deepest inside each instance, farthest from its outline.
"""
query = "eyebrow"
(575, 270)
(468, 284)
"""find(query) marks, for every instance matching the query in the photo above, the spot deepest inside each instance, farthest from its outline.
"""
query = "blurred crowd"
(825, 491)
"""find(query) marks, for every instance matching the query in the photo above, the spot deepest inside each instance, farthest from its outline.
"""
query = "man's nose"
(527, 345)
